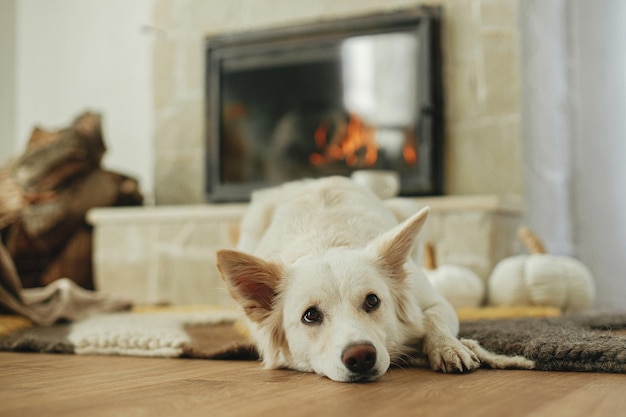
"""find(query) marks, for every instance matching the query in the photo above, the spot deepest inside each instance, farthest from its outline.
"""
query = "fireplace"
(325, 99)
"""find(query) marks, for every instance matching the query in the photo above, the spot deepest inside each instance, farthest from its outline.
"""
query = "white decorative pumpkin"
(540, 279)
(460, 286)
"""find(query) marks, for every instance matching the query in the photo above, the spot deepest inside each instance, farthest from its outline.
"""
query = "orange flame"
(354, 143)
(409, 150)
(320, 134)
(410, 156)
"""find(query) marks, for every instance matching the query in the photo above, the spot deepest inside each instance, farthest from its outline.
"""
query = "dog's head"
(340, 313)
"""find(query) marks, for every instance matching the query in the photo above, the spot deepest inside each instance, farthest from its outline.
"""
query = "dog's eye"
(371, 302)
(312, 316)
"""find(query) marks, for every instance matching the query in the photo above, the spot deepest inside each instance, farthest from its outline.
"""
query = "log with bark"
(44, 198)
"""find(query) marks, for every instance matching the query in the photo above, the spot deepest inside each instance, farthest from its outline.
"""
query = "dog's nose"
(359, 358)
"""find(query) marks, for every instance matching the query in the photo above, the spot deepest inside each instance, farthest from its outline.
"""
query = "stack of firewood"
(45, 194)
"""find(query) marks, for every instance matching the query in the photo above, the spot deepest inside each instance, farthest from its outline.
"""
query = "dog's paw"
(452, 356)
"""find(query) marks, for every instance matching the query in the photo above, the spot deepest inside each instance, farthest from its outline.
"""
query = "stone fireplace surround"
(481, 84)
(166, 253)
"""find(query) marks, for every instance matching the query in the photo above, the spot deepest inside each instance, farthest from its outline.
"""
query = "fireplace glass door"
(325, 100)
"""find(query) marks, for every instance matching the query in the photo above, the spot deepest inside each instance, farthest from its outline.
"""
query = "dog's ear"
(251, 281)
(393, 248)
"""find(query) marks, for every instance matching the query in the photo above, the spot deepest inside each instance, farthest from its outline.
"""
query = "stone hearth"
(167, 254)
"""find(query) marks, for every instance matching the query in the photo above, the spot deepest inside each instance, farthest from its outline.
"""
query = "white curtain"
(574, 133)
(546, 121)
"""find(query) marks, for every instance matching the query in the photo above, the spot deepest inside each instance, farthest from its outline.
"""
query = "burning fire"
(354, 143)
(409, 150)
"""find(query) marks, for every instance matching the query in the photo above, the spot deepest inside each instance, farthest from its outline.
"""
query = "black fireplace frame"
(424, 21)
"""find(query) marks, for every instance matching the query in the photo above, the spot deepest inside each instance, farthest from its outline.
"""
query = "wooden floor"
(33, 384)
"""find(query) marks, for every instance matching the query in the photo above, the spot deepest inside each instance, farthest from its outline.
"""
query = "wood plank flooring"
(33, 384)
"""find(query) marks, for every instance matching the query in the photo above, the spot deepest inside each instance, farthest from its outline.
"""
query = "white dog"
(327, 282)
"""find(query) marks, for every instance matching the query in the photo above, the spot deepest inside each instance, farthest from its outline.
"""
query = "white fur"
(328, 244)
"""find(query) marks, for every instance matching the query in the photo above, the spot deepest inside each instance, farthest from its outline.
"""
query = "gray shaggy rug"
(586, 342)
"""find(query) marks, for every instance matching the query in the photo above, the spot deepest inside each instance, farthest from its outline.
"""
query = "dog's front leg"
(445, 352)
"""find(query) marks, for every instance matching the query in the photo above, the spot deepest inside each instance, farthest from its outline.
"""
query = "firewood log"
(54, 157)
(11, 201)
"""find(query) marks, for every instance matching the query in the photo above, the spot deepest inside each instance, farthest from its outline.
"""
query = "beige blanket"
(60, 300)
